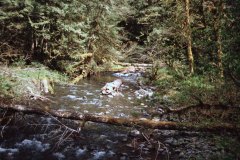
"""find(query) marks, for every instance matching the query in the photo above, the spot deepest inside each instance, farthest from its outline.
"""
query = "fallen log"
(124, 64)
(130, 122)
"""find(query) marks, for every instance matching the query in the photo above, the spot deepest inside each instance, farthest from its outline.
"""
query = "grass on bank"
(178, 89)
(14, 79)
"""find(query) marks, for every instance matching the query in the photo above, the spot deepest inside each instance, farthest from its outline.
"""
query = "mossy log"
(128, 122)
(133, 64)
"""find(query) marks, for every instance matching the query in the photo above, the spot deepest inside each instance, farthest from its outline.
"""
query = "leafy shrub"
(6, 87)
(175, 88)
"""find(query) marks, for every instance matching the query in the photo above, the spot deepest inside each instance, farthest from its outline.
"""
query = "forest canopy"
(79, 35)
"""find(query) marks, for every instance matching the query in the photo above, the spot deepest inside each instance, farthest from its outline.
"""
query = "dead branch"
(133, 64)
(130, 122)
(199, 107)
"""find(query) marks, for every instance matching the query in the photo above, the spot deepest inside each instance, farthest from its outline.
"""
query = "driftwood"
(130, 122)
(219, 112)
(182, 110)
(133, 64)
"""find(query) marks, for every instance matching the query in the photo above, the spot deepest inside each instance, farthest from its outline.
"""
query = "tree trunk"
(218, 31)
(130, 122)
(189, 38)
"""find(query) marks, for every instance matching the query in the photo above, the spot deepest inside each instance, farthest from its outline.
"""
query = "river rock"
(135, 133)
(141, 93)
(111, 153)
(181, 155)
(59, 155)
(123, 158)
(98, 154)
(80, 152)
(169, 141)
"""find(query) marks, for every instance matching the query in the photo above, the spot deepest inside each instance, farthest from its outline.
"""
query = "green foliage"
(58, 33)
(196, 82)
(40, 73)
(229, 145)
(6, 87)
(179, 89)
(161, 32)
(14, 81)
(55, 31)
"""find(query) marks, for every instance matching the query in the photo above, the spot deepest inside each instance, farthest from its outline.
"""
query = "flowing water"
(86, 97)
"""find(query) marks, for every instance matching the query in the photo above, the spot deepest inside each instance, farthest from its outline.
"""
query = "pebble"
(156, 119)
(80, 152)
(150, 146)
(110, 96)
(111, 153)
(146, 149)
(123, 158)
(124, 154)
(135, 133)
(103, 137)
(122, 115)
(181, 155)
(177, 150)
(169, 141)
(101, 113)
(161, 150)
(85, 111)
(124, 139)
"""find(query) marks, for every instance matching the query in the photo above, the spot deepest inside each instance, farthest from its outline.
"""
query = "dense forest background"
(200, 34)
(197, 40)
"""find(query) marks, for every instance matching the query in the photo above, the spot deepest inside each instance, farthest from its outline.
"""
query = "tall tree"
(60, 33)
(218, 30)
(189, 37)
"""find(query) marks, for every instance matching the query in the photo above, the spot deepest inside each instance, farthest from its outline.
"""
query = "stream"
(31, 137)
(86, 97)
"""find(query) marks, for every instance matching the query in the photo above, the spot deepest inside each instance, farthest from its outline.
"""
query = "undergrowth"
(7, 87)
(179, 89)
(16, 78)
(229, 145)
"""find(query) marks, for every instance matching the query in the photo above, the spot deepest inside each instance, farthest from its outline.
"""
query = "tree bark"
(189, 37)
(124, 64)
(218, 31)
(130, 122)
